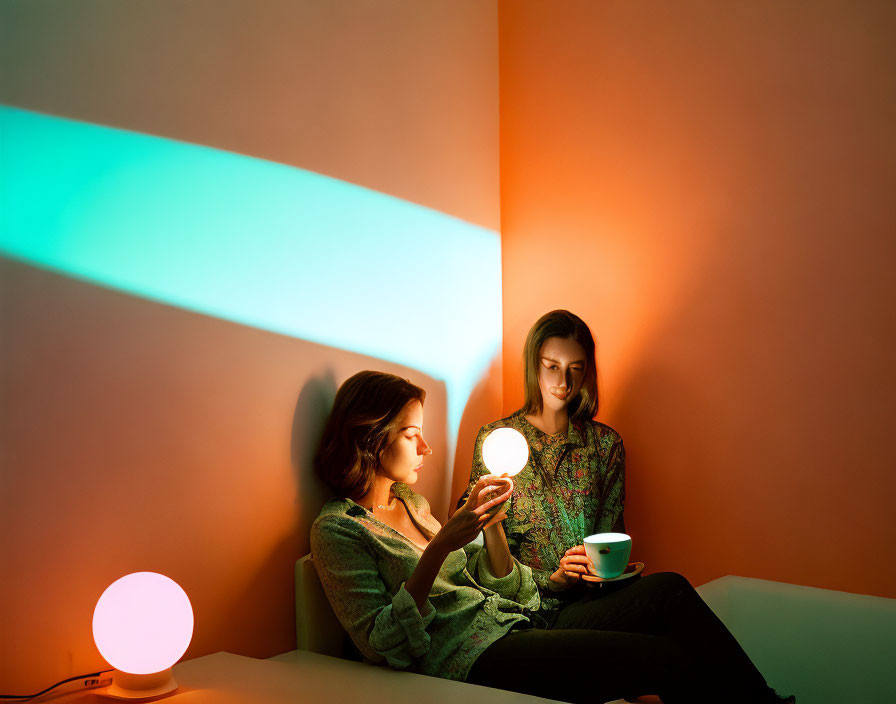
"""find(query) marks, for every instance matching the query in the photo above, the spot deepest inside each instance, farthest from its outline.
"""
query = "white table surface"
(300, 676)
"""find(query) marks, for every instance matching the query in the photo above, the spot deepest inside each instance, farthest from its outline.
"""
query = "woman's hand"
(573, 565)
(476, 514)
(459, 530)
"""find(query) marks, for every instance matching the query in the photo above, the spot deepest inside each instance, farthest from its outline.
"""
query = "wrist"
(436, 548)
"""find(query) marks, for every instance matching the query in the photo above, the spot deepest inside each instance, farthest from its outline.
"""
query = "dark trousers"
(654, 635)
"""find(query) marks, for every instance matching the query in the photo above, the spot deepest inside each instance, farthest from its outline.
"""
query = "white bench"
(317, 628)
(825, 646)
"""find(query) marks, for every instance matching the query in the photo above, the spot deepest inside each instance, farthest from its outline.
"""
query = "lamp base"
(137, 688)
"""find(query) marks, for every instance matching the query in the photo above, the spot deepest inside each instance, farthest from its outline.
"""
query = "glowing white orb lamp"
(142, 625)
(505, 451)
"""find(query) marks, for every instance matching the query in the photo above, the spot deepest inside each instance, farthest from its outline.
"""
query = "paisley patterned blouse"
(572, 486)
(363, 565)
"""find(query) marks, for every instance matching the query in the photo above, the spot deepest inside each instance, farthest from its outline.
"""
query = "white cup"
(608, 553)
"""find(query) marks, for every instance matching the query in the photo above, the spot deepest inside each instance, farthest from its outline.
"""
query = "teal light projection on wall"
(254, 242)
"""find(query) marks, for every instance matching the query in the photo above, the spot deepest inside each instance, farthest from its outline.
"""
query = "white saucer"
(630, 571)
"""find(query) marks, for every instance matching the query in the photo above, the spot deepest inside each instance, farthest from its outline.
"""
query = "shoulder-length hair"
(560, 323)
(360, 427)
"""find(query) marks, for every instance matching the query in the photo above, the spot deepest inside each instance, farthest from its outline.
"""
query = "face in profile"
(403, 459)
(561, 371)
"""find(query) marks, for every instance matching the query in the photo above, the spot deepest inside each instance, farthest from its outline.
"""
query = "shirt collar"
(533, 434)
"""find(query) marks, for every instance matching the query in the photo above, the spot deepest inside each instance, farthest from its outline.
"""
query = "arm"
(419, 584)
(513, 581)
(384, 626)
(500, 561)
(610, 492)
(476, 514)
(613, 495)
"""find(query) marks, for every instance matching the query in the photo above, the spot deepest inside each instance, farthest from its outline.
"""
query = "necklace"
(385, 508)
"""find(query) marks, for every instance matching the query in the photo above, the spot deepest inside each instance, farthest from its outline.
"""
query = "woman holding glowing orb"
(410, 592)
(424, 597)
(574, 483)
(573, 486)
(427, 598)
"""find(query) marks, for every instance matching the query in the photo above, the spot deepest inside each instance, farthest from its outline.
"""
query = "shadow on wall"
(139, 436)
(312, 408)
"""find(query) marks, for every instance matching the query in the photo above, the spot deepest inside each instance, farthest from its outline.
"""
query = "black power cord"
(26, 697)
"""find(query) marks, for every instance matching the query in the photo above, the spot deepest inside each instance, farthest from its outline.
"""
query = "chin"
(411, 478)
(555, 404)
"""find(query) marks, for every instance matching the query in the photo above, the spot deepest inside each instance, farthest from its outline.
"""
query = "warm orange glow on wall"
(711, 189)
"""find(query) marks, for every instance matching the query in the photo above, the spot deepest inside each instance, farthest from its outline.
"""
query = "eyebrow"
(408, 427)
(556, 361)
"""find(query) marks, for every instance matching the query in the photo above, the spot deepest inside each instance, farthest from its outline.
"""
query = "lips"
(560, 397)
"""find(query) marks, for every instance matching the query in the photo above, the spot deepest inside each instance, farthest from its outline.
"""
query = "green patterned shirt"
(363, 565)
(572, 486)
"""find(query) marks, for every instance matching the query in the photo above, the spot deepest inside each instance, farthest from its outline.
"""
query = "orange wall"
(139, 436)
(710, 185)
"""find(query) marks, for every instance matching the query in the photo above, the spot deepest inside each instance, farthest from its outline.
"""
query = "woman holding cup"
(572, 487)
(424, 597)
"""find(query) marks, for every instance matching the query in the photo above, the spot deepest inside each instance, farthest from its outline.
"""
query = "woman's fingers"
(577, 559)
(491, 503)
(576, 550)
(491, 489)
(575, 569)
(574, 564)
(483, 483)
(497, 519)
(484, 508)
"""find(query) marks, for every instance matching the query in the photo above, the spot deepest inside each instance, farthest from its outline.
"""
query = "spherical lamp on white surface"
(505, 451)
(142, 626)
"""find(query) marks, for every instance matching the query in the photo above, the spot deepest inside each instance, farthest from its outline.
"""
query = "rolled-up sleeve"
(518, 585)
(383, 626)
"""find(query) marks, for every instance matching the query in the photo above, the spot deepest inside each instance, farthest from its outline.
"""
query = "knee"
(670, 581)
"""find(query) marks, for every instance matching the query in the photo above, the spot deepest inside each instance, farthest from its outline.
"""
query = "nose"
(426, 449)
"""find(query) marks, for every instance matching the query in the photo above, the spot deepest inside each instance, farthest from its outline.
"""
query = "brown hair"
(360, 427)
(560, 323)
